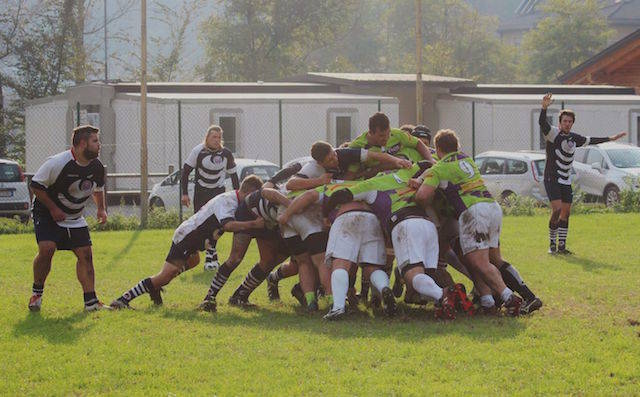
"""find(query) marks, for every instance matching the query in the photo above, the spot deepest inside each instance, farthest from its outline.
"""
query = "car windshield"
(540, 167)
(263, 171)
(9, 173)
(625, 158)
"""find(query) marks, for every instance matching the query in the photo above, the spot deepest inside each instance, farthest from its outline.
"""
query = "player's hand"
(185, 200)
(415, 183)
(402, 163)
(259, 223)
(546, 100)
(618, 136)
(57, 214)
(326, 178)
(218, 233)
(283, 219)
(102, 216)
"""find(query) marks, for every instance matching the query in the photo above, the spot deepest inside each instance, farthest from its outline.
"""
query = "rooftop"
(379, 78)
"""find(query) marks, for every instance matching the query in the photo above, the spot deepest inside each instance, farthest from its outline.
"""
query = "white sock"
(379, 280)
(426, 286)
(339, 288)
(487, 301)
(506, 294)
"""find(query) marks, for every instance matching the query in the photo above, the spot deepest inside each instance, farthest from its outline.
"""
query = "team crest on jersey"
(216, 159)
(568, 146)
(86, 185)
(466, 168)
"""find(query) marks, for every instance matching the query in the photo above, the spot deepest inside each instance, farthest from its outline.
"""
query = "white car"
(508, 173)
(14, 191)
(167, 193)
(604, 170)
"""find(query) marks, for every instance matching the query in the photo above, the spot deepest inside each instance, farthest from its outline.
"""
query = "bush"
(520, 205)
(629, 201)
(14, 226)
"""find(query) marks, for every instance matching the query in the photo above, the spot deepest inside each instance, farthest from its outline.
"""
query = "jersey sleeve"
(225, 210)
(311, 170)
(348, 156)
(46, 174)
(253, 199)
(581, 140)
(231, 162)
(407, 140)
(550, 132)
(433, 176)
(100, 177)
(192, 159)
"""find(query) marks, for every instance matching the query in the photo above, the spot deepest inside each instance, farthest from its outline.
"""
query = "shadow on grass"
(588, 265)
(117, 257)
(54, 329)
(358, 324)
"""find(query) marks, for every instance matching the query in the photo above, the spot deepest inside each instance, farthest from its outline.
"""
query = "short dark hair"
(407, 128)
(378, 122)
(569, 113)
(447, 141)
(320, 150)
(250, 183)
(82, 133)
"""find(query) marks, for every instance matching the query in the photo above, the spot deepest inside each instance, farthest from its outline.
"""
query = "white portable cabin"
(256, 125)
(510, 121)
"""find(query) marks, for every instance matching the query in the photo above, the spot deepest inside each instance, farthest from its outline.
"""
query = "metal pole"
(143, 115)
(473, 129)
(562, 105)
(106, 57)
(379, 105)
(77, 113)
(418, 61)
(180, 160)
(280, 128)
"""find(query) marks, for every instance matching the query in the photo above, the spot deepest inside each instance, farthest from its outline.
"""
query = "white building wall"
(456, 115)
(45, 132)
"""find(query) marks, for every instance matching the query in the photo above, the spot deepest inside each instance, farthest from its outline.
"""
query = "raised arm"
(542, 120)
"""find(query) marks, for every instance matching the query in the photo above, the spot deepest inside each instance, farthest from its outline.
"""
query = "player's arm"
(283, 175)
(597, 140)
(98, 198)
(43, 197)
(240, 226)
(424, 152)
(424, 195)
(301, 183)
(542, 120)
(388, 161)
(298, 205)
(275, 196)
(43, 178)
(427, 190)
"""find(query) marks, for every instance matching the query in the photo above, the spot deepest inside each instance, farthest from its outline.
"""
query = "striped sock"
(212, 255)
(90, 298)
(563, 230)
(37, 289)
(255, 277)
(142, 287)
(553, 233)
(218, 281)
(277, 275)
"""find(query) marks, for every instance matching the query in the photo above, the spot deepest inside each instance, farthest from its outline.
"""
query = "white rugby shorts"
(415, 240)
(480, 227)
(356, 236)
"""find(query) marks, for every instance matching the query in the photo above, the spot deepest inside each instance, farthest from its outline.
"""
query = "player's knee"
(46, 250)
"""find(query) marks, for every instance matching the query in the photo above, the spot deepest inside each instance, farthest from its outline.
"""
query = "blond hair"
(213, 128)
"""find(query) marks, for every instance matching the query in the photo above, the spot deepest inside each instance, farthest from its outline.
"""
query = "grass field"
(585, 340)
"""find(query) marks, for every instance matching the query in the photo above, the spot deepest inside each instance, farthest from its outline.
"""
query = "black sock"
(218, 281)
(142, 287)
(37, 289)
(364, 286)
(90, 298)
(255, 277)
(512, 279)
(563, 230)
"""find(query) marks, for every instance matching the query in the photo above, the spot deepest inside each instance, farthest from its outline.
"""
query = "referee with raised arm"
(561, 144)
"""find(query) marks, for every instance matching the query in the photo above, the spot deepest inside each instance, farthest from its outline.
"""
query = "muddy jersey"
(213, 215)
(458, 177)
(400, 144)
(210, 166)
(69, 185)
(261, 207)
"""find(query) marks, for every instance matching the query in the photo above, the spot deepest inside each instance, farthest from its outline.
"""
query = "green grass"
(581, 342)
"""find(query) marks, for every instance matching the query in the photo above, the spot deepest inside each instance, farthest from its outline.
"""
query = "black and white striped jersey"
(211, 216)
(560, 150)
(262, 207)
(211, 166)
(68, 185)
(346, 157)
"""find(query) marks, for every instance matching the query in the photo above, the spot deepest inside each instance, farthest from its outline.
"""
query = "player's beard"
(90, 155)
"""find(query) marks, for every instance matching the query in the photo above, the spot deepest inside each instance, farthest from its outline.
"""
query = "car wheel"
(611, 195)
(506, 196)
(156, 203)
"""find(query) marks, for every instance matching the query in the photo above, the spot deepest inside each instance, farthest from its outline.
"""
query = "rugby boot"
(512, 306)
(446, 306)
(335, 315)
(312, 307)
(120, 304)
(398, 285)
(240, 300)
(389, 301)
(156, 296)
(208, 305)
(297, 293)
(272, 288)
(531, 306)
(462, 300)
(97, 307)
(35, 302)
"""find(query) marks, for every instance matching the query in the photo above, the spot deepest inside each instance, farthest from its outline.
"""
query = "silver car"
(166, 194)
(509, 173)
(604, 170)
(14, 192)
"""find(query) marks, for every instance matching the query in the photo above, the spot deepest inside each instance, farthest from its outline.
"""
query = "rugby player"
(61, 186)
(212, 162)
(561, 144)
(217, 215)
(479, 215)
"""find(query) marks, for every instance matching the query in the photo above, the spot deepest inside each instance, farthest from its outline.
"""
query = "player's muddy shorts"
(480, 227)
(356, 236)
(415, 240)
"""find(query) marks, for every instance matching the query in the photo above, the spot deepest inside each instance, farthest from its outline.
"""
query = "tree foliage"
(573, 31)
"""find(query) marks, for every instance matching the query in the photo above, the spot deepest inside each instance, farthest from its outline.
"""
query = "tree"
(573, 31)
(270, 39)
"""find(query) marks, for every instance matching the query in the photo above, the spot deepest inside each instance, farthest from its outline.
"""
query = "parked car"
(166, 193)
(302, 160)
(508, 173)
(14, 191)
(604, 170)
